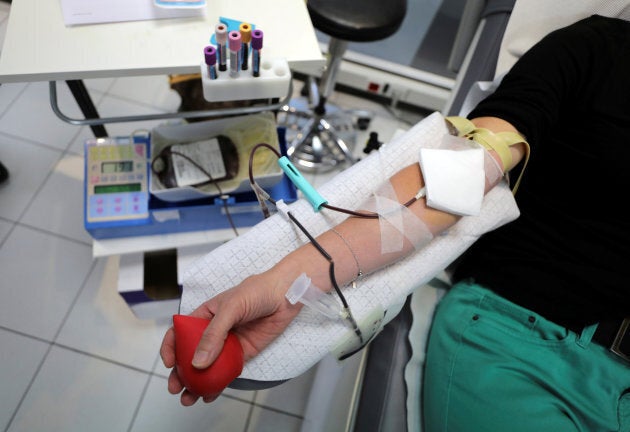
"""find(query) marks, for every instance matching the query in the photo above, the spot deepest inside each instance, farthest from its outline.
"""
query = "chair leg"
(316, 148)
(335, 138)
(336, 50)
(320, 142)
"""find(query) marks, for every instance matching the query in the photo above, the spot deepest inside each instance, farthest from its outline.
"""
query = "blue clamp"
(301, 183)
(224, 200)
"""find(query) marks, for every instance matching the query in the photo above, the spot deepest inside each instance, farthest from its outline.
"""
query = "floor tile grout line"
(250, 413)
(102, 358)
(101, 95)
(32, 142)
(51, 233)
(75, 300)
(17, 97)
(8, 233)
(28, 387)
(38, 190)
(76, 350)
(26, 335)
(44, 358)
(277, 410)
(143, 394)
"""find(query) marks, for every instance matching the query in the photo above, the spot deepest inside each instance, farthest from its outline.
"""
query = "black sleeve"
(559, 70)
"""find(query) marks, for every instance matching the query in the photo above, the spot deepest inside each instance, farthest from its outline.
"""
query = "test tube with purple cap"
(210, 54)
(256, 44)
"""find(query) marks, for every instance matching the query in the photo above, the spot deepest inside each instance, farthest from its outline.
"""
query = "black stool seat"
(324, 134)
(357, 21)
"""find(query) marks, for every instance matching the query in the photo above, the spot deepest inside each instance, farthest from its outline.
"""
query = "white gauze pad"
(455, 179)
(312, 335)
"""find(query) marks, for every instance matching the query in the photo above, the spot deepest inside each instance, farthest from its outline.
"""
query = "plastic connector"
(283, 208)
(303, 291)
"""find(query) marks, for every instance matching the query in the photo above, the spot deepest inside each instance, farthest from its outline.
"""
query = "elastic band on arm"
(500, 142)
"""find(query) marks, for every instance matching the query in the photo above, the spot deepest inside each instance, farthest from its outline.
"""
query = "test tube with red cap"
(257, 44)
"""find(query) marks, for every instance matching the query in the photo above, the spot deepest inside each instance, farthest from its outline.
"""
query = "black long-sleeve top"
(567, 256)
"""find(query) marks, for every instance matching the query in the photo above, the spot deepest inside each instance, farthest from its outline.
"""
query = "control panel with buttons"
(117, 179)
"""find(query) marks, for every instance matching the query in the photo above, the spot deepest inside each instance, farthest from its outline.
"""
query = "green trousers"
(493, 366)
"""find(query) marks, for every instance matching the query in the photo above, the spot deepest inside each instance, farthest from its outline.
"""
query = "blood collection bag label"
(206, 154)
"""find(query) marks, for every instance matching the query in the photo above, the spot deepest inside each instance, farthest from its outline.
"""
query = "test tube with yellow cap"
(246, 36)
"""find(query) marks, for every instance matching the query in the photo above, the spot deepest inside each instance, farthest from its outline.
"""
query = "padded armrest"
(383, 401)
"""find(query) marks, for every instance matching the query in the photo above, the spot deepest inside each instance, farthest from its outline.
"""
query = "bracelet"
(356, 260)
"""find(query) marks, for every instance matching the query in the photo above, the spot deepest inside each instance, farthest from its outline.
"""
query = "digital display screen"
(117, 188)
(116, 167)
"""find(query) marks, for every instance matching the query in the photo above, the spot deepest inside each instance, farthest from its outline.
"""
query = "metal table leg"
(81, 95)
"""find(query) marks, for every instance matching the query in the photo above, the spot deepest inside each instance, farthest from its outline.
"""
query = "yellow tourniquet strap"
(500, 142)
(463, 125)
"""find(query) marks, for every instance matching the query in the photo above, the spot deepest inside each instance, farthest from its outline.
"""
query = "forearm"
(356, 244)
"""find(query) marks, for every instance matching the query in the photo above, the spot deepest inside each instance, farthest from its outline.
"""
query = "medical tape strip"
(407, 224)
(492, 169)
(397, 222)
(283, 209)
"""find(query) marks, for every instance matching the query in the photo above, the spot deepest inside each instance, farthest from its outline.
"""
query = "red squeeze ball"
(209, 382)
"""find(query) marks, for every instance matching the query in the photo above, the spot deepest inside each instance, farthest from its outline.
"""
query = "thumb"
(211, 342)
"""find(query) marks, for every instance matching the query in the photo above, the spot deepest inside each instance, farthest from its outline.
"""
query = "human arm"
(264, 294)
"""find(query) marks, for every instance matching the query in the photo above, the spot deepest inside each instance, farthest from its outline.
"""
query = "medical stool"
(318, 143)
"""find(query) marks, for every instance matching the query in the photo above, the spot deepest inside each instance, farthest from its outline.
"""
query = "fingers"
(174, 383)
(188, 399)
(175, 386)
(167, 350)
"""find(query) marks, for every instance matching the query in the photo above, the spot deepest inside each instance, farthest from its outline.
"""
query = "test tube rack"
(273, 82)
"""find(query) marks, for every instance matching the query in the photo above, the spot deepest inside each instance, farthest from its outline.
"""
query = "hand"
(256, 311)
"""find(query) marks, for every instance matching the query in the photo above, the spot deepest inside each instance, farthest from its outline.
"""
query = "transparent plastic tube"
(302, 290)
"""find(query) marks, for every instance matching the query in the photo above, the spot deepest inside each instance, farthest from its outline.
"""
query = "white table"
(38, 46)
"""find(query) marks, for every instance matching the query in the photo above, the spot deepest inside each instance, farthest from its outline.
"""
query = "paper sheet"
(78, 12)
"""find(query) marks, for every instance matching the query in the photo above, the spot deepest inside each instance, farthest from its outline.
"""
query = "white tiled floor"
(74, 357)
